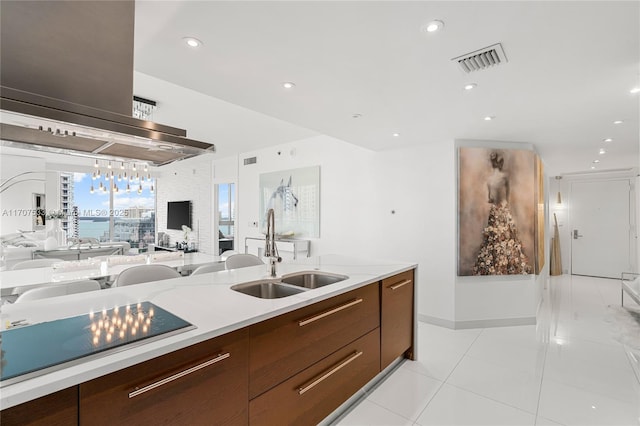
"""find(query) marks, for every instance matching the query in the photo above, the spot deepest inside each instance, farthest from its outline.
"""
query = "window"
(226, 215)
(125, 214)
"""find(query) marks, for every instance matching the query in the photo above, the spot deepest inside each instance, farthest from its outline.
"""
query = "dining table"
(16, 282)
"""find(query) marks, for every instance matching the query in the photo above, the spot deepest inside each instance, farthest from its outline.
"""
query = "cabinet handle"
(329, 312)
(176, 376)
(310, 385)
(401, 284)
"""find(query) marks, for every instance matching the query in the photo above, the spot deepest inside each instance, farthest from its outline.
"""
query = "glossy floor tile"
(578, 366)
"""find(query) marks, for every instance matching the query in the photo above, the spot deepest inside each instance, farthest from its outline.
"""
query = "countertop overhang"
(206, 300)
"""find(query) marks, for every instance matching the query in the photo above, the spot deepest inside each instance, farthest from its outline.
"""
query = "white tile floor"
(572, 368)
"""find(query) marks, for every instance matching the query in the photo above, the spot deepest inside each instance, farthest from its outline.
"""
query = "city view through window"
(107, 215)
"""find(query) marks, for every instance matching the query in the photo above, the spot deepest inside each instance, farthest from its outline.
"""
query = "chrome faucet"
(270, 248)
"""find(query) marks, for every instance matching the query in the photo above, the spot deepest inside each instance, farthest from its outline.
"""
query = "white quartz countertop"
(206, 301)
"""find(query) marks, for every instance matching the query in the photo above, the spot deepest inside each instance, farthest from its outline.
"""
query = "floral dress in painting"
(501, 250)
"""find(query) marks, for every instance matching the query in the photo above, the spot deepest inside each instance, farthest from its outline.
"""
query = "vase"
(57, 232)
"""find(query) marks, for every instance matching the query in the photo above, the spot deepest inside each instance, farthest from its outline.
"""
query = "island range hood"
(66, 84)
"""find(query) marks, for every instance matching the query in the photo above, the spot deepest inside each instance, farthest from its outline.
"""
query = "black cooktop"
(29, 351)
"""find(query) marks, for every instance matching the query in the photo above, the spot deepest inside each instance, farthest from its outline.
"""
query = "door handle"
(576, 235)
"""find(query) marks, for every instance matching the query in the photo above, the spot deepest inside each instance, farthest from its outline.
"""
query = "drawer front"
(202, 384)
(314, 393)
(286, 345)
(397, 323)
(56, 409)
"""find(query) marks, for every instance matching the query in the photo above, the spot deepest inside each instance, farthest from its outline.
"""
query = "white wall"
(418, 183)
(187, 180)
(399, 205)
(16, 202)
(347, 194)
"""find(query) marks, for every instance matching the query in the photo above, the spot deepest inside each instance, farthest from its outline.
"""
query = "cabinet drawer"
(396, 325)
(286, 345)
(314, 393)
(56, 409)
(202, 384)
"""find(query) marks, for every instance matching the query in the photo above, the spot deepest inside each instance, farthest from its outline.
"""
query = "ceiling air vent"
(482, 59)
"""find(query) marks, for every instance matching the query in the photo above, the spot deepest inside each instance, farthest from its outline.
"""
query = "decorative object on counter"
(186, 231)
(166, 255)
(55, 227)
(127, 260)
(497, 206)
(50, 244)
(77, 265)
(556, 258)
(294, 195)
(539, 219)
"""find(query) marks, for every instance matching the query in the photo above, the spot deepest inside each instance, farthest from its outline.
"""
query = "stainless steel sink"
(267, 289)
(315, 279)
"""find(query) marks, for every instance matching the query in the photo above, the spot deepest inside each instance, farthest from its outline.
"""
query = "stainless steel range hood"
(66, 83)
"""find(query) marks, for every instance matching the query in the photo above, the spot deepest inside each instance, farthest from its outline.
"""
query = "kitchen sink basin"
(266, 289)
(310, 280)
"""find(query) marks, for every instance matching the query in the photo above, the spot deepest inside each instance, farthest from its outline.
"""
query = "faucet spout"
(270, 249)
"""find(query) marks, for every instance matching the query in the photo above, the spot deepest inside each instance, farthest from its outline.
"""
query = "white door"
(600, 228)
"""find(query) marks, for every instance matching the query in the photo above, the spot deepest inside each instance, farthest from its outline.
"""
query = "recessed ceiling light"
(431, 27)
(470, 86)
(192, 42)
(608, 140)
(593, 167)
(489, 118)
(596, 161)
(618, 122)
(602, 151)
(288, 85)
(356, 115)
(395, 135)
(635, 90)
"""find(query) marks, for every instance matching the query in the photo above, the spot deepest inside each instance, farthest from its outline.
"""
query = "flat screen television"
(178, 214)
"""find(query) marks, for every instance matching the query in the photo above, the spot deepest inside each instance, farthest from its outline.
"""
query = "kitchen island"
(217, 311)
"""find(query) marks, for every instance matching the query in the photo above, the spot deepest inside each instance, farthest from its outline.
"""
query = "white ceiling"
(570, 68)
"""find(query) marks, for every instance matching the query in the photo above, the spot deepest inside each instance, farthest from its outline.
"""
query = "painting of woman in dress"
(496, 211)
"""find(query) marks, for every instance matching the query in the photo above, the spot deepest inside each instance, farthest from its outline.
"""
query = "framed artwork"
(39, 216)
(294, 195)
(496, 211)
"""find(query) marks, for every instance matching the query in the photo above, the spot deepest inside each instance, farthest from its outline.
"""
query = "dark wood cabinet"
(202, 384)
(283, 346)
(311, 395)
(57, 409)
(397, 318)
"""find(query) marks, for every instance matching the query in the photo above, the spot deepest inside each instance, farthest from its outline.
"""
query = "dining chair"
(210, 267)
(242, 260)
(35, 263)
(225, 254)
(145, 273)
(61, 289)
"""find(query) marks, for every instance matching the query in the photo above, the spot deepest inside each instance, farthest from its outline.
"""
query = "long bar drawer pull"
(400, 284)
(178, 375)
(329, 312)
(310, 385)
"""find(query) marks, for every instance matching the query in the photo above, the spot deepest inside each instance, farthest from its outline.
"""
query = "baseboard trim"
(487, 323)
(437, 321)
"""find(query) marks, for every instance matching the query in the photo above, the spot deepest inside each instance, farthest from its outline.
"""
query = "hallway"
(573, 368)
